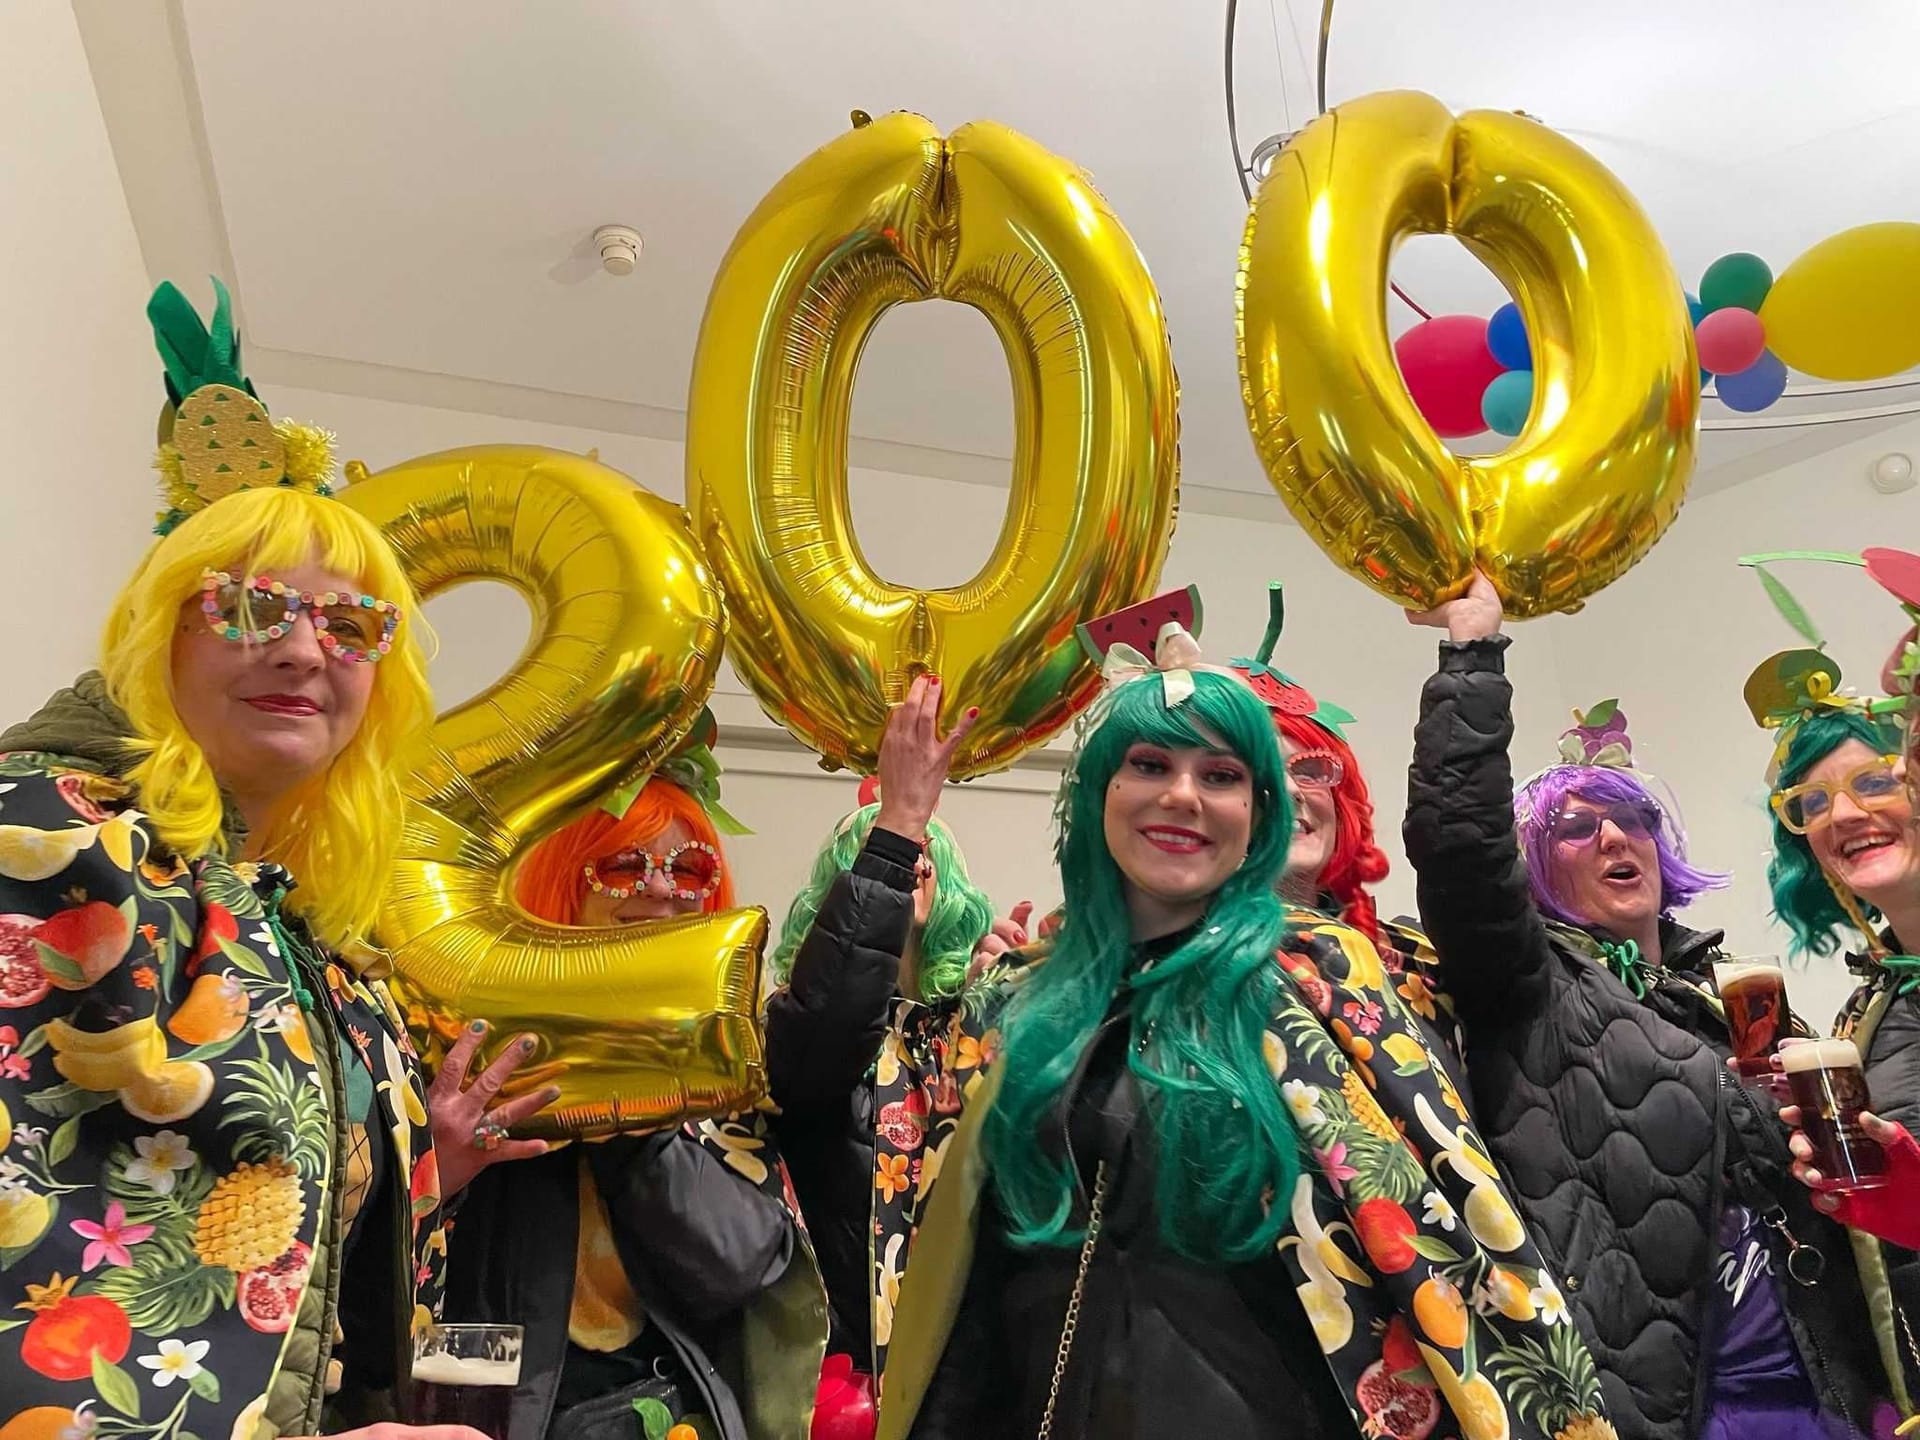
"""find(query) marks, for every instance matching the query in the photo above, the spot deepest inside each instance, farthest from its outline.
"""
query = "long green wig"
(961, 915)
(1228, 1155)
(1802, 898)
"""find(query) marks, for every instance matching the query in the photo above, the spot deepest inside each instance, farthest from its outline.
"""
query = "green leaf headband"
(1791, 685)
(694, 769)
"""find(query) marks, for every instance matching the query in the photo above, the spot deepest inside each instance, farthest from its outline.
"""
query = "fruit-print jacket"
(1421, 1286)
(196, 1101)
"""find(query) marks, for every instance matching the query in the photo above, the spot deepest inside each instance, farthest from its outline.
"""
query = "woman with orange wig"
(663, 1279)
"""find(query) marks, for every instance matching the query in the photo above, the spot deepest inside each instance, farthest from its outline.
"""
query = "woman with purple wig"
(1717, 1302)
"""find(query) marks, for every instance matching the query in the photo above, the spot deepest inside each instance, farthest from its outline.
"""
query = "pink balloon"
(1730, 340)
(1447, 367)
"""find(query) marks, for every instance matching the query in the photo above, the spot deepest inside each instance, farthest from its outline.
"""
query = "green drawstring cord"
(288, 949)
(1905, 970)
(1624, 960)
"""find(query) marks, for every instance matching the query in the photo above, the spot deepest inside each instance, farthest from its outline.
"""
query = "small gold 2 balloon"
(1601, 466)
(894, 212)
(641, 1026)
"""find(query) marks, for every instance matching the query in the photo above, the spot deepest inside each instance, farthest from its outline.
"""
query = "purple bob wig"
(1541, 798)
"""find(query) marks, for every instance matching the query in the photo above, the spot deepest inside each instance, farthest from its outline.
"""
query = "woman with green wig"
(1194, 1170)
(871, 962)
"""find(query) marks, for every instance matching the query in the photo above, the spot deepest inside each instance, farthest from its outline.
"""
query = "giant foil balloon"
(1600, 466)
(893, 212)
(640, 1026)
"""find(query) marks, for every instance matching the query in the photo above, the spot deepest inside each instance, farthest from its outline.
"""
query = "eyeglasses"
(1636, 819)
(260, 610)
(692, 870)
(1315, 769)
(1804, 808)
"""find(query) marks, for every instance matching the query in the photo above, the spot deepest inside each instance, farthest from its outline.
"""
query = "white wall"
(79, 383)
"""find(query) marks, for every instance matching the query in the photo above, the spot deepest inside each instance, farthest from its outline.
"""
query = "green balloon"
(1738, 280)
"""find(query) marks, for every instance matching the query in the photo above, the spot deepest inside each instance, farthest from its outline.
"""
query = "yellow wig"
(338, 832)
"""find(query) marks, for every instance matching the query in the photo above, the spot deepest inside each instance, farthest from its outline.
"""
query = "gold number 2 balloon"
(639, 1026)
(1601, 466)
(893, 212)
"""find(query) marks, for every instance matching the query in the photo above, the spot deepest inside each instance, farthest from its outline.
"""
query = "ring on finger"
(489, 1135)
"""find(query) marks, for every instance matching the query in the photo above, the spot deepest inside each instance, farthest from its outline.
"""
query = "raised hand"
(469, 1130)
(914, 759)
(1472, 616)
(1008, 933)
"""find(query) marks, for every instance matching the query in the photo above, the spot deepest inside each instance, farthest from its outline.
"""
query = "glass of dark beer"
(1754, 992)
(464, 1375)
(1830, 1087)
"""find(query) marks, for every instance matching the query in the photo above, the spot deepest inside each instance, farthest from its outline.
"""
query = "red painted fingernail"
(972, 710)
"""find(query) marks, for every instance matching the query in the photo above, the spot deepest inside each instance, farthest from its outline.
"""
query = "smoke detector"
(1892, 473)
(619, 247)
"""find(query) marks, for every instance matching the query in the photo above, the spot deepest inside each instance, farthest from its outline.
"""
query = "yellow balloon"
(893, 212)
(1849, 309)
(1601, 467)
(641, 1026)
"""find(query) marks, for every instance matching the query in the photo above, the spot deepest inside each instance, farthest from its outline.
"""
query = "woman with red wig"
(661, 1278)
(1334, 856)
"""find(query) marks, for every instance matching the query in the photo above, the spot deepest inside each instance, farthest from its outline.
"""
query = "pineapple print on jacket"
(167, 1142)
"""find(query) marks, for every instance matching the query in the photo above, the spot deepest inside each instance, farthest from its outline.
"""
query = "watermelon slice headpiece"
(1281, 691)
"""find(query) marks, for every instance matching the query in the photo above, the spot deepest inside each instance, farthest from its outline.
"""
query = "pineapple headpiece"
(215, 435)
(1281, 691)
(1787, 687)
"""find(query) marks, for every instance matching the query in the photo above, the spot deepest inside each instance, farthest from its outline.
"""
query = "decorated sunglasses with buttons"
(258, 610)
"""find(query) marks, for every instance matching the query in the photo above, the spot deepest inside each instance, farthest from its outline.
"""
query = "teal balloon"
(1696, 312)
(1739, 280)
(1506, 400)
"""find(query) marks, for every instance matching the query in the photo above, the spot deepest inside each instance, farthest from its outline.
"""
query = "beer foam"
(465, 1370)
(1819, 1055)
(1728, 970)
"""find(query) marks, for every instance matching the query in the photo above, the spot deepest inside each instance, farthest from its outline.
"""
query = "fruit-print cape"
(171, 1158)
(1428, 1298)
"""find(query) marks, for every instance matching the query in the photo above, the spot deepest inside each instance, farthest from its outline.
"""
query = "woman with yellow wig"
(219, 1195)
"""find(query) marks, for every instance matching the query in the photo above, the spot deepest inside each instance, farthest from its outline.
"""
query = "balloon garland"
(1847, 309)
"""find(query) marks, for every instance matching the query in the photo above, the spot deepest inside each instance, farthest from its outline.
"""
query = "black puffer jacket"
(698, 1245)
(824, 1031)
(1613, 1119)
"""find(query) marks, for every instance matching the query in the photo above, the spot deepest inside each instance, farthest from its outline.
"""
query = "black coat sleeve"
(825, 1025)
(692, 1234)
(1893, 1063)
(1475, 903)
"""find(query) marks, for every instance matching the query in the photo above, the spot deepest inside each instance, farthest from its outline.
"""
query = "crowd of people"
(1212, 1149)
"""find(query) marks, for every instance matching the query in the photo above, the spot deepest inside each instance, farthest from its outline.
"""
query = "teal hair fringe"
(1802, 899)
(1228, 1156)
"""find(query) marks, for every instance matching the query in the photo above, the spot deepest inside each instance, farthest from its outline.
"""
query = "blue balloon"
(1696, 312)
(1506, 400)
(1507, 338)
(1754, 388)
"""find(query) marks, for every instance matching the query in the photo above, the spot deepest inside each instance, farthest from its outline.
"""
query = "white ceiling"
(410, 187)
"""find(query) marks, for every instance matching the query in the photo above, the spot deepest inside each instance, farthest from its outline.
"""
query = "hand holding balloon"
(1472, 616)
(915, 760)
(469, 1130)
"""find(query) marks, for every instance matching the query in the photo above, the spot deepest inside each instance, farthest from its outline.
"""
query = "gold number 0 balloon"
(640, 1026)
(1601, 467)
(889, 213)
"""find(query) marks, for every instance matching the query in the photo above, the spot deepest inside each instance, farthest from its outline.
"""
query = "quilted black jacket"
(824, 1031)
(1613, 1119)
